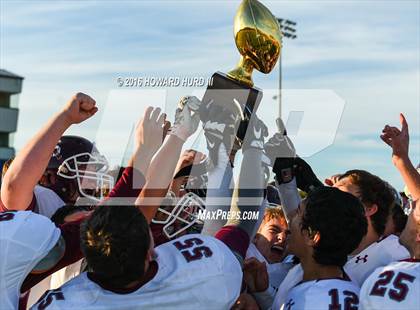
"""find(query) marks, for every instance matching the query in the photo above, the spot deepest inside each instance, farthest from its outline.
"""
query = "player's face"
(347, 186)
(296, 241)
(271, 239)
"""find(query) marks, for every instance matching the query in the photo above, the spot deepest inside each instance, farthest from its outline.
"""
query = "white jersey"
(194, 272)
(393, 287)
(47, 201)
(294, 276)
(54, 281)
(358, 267)
(322, 294)
(378, 254)
(25, 238)
(277, 271)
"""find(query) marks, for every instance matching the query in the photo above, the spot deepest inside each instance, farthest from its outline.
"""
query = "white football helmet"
(179, 214)
(91, 172)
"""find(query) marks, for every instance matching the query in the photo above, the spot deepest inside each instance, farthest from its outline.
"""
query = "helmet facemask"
(90, 172)
(180, 215)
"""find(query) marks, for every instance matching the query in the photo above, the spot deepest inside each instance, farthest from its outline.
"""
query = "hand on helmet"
(186, 120)
(79, 108)
(149, 130)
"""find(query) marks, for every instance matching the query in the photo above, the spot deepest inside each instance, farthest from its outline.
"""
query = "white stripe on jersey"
(194, 272)
(393, 287)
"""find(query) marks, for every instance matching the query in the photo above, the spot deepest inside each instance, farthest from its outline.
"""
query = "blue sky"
(366, 52)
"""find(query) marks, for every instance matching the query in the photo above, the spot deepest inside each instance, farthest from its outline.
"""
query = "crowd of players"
(70, 233)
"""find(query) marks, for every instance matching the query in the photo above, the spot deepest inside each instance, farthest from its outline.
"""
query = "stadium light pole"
(288, 30)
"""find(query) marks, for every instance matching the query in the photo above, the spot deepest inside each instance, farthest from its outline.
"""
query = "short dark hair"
(60, 214)
(373, 190)
(399, 218)
(339, 218)
(115, 241)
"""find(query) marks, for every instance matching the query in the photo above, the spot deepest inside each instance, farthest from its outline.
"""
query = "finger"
(147, 112)
(391, 133)
(280, 126)
(86, 105)
(386, 140)
(392, 128)
(328, 182)
(161, 120)
(251, 263)
(155, 114)
(85, 98)
(166, 125)
(404, 124)
(93, 111)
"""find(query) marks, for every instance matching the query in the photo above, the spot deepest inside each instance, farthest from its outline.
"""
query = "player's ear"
(311, 237)
(316, 238)
(371, 210)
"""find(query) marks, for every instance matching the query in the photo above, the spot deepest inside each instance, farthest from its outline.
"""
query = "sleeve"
(30, 207)
(129, 185)
(235, 238)
(71, 234)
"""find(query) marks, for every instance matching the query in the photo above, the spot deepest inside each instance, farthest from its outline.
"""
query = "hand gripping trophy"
(258, 39)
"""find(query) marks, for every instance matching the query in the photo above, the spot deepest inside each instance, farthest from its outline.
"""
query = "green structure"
(10, 87)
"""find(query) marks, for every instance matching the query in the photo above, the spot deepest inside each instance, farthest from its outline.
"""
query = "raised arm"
(163, 164)
(149, 134)
(398, 140)
(31, 162)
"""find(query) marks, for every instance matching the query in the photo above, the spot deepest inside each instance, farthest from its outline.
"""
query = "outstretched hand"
(397, 139)
(79, 108)
(149, 130)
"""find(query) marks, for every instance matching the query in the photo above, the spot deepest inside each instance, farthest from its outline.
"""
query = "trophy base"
(227, 92)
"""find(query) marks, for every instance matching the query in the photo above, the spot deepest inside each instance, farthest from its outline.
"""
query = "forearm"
(23, 174)
(410, 176)
(219, 192)
(141, 160)
(159, 176)
(249, 192)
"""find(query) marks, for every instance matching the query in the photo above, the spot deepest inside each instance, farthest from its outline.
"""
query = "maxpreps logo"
(204, 215)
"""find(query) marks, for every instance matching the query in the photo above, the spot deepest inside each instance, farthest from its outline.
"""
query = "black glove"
(306, 179)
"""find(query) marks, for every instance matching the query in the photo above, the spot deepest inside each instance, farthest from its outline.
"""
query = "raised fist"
(79, 108)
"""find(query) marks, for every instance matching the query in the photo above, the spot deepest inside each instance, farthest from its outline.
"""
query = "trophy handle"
(243, 71)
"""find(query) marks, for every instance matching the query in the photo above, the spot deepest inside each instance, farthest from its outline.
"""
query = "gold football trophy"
(258, 39)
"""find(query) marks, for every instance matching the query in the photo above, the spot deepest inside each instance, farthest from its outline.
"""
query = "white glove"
(186, 121)
(191, 101)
